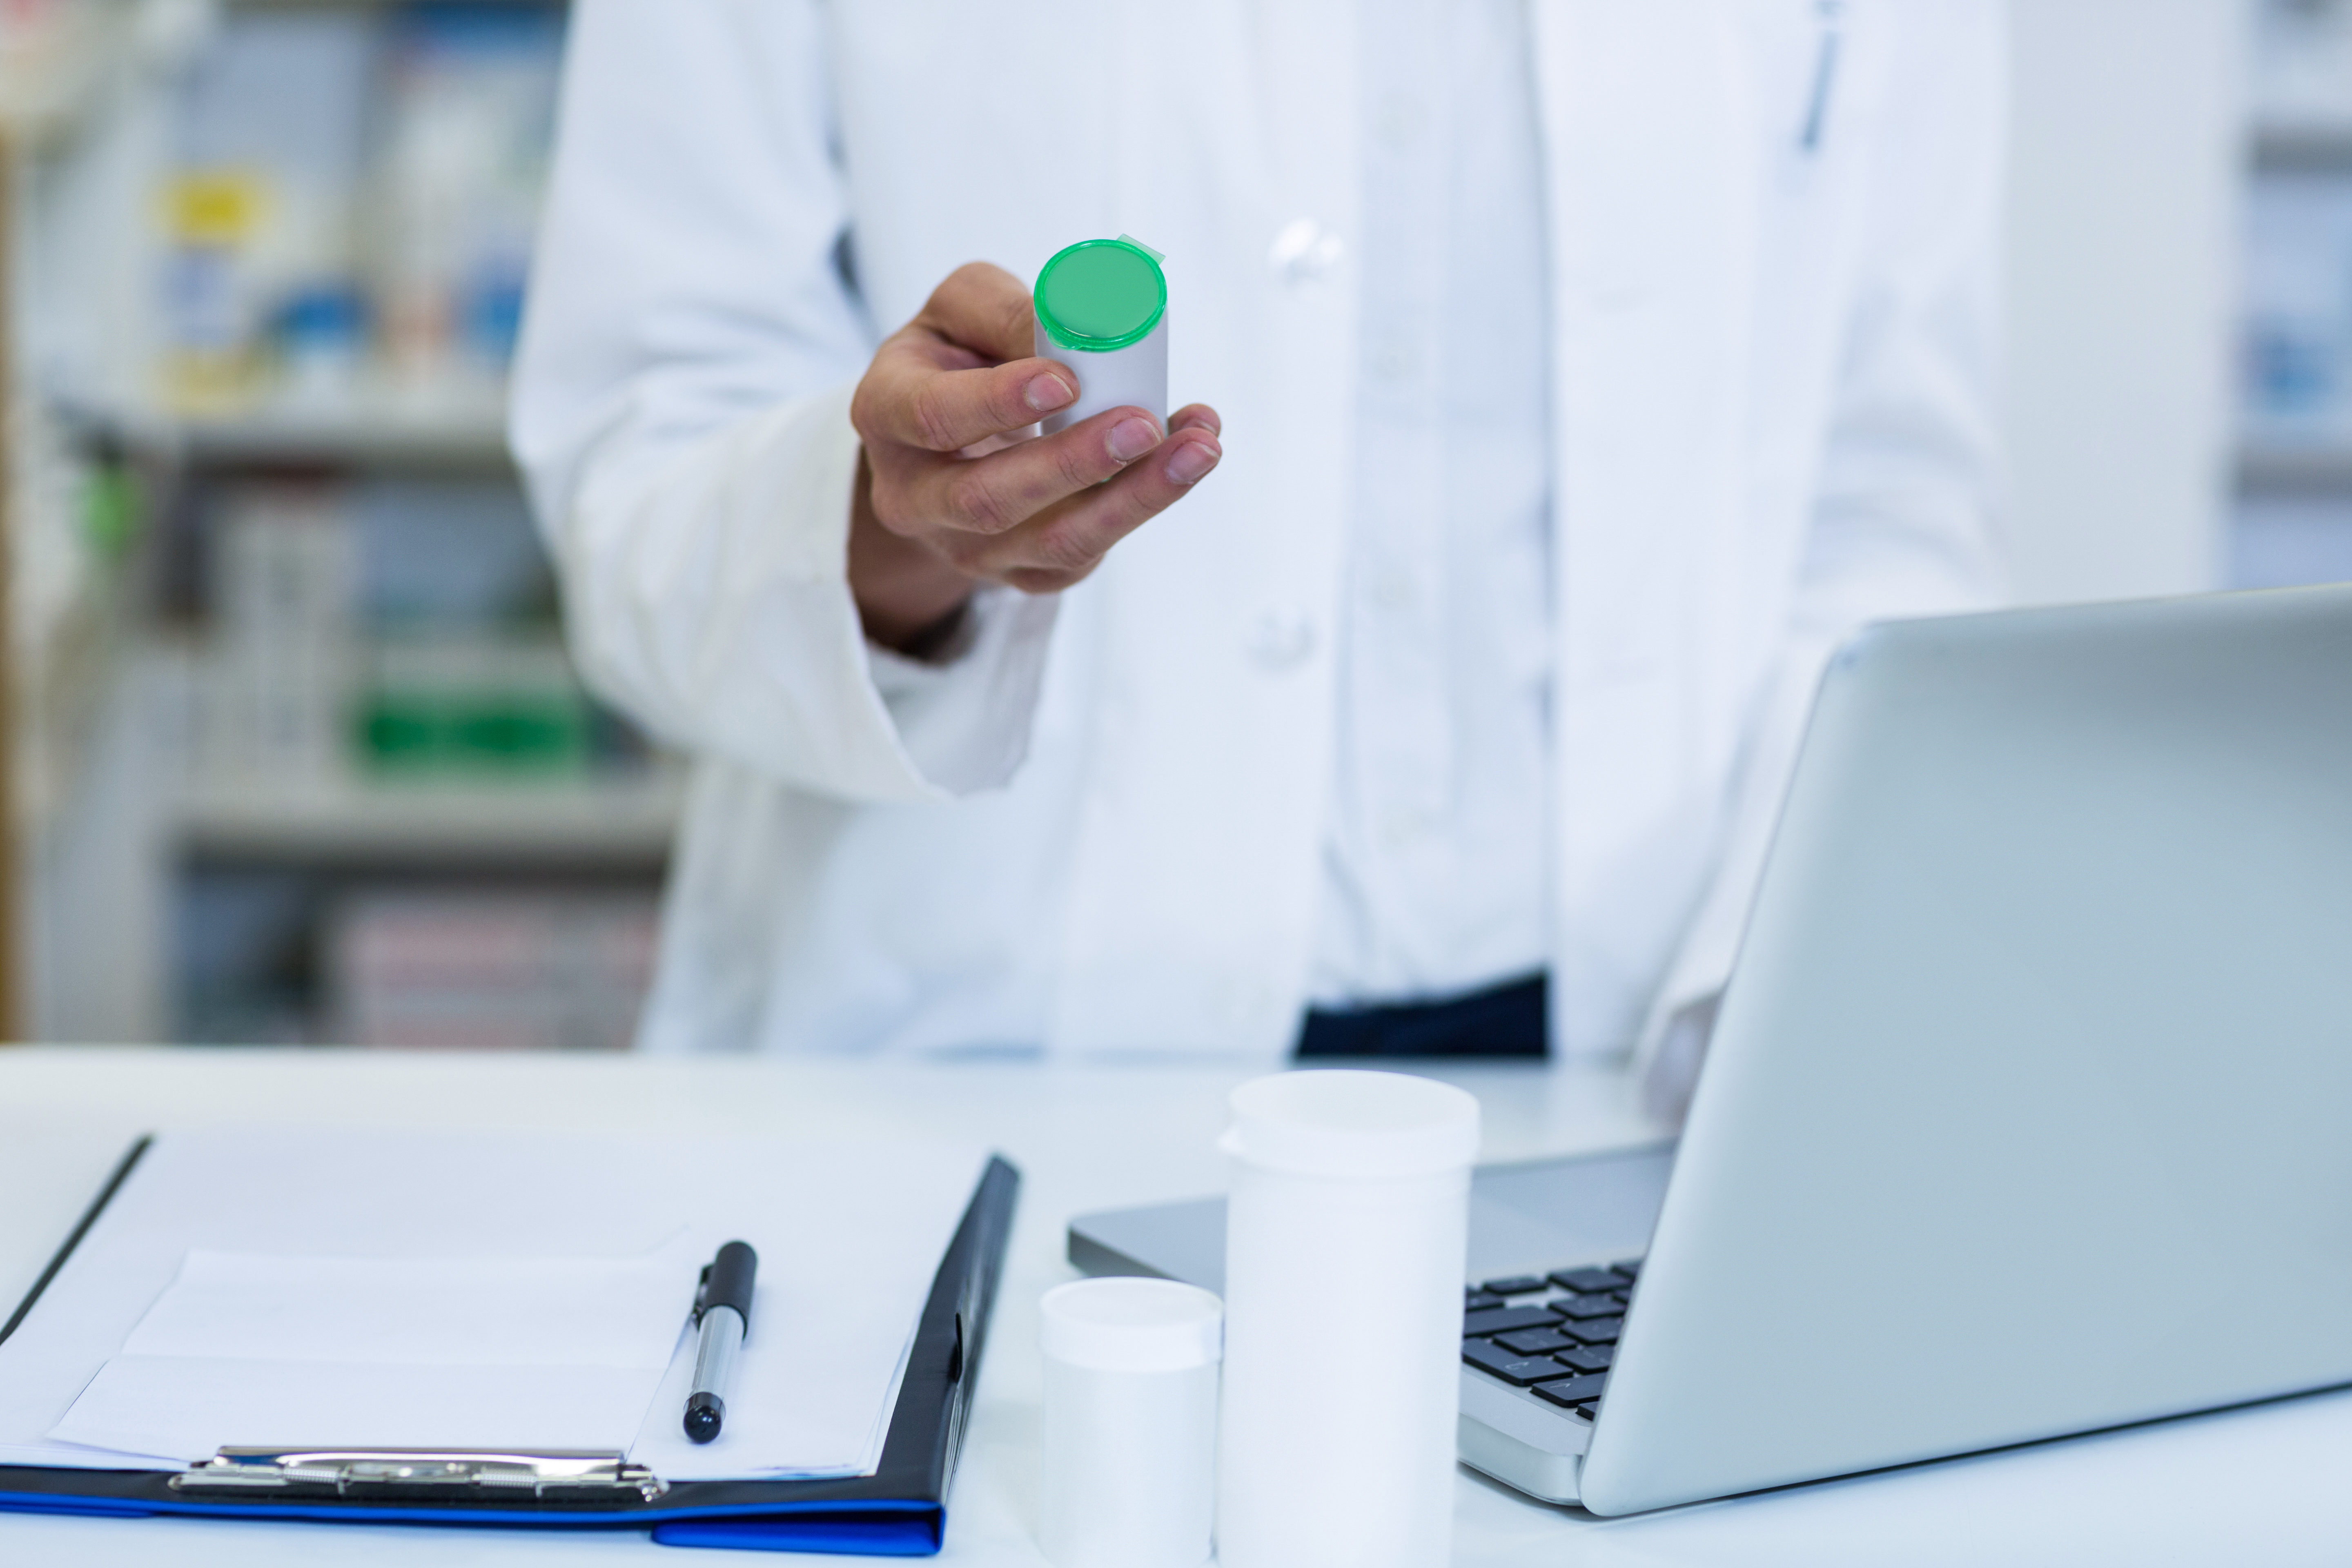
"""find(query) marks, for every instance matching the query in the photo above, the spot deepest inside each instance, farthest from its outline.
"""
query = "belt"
(1505, 1020)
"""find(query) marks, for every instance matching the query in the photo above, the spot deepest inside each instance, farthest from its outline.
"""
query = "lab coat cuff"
(711, 594)
(799, 467)
(963, 719)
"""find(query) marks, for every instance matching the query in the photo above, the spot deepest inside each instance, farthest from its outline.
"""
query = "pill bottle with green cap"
(1102, 310)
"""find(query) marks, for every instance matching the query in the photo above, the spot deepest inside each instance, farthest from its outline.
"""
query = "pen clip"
(726, 1281)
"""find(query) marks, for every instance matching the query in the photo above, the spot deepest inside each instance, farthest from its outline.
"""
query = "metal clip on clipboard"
(414, 1475)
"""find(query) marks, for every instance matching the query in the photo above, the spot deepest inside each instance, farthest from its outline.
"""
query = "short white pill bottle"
(1346, 1235)
(1129, 1445)
(1102, 309)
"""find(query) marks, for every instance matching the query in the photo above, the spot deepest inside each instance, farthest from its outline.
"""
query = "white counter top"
(2268, 1485)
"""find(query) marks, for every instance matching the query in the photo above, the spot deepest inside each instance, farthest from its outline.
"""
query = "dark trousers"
(1506, 1020)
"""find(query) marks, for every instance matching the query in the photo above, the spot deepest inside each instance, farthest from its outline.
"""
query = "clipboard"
(899, 1510)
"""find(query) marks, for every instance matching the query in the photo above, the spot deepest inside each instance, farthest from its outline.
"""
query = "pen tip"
(704, 1413)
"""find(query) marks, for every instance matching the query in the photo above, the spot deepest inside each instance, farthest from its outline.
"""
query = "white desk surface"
(2271, 1485)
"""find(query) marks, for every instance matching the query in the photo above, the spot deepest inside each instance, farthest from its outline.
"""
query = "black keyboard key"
(1487, 1356)
(1479, 1301)
(1594, 1330)
(1585, 1281)
(1520, 1370)
(1574, 1390)
(1631, 1268)
(1588, 1307)
(1517, 1285)
(1536, 1342)
(1584, 1358)
(1506, 1321)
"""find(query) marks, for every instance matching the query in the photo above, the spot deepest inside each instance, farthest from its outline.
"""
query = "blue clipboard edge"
(897, 1511)
(877, 1529)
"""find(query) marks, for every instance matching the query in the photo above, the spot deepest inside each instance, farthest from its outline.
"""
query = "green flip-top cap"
(1101, 294)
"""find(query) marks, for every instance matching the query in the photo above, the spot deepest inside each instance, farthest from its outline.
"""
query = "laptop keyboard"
(1553, 1335)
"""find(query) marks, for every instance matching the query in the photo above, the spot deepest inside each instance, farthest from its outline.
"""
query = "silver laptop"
(2029, 1110)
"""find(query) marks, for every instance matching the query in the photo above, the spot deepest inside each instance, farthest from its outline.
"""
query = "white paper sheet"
(429, 1311)
(820, 1368)
(849, 1236)
(193, 1406)
(789, 1399)
(397, 1353)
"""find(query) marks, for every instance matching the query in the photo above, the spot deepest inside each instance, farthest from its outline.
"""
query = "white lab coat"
(1097, 827)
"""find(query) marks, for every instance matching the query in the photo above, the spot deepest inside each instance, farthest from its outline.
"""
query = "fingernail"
(1130, 438)
(1045, 393)
(1191, 460)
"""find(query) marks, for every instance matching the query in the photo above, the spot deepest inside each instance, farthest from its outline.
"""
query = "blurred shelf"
(465, 432)
(2314, 465)
(431, 437)
(624, 823)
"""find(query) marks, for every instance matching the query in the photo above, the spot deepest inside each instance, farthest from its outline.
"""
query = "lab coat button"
(1304, 252)
(1401, 122)
(1393, 590)
(1400, 827)
(1396, 358)
(1279, 642)
(1620, 298)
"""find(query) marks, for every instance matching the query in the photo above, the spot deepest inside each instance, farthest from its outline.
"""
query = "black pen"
(722, 1309)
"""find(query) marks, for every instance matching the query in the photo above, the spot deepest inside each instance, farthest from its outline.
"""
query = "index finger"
(912, 399)
(931, 385)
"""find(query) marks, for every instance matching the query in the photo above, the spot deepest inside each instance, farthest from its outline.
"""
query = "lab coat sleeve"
(1904, 516)
(682, 414)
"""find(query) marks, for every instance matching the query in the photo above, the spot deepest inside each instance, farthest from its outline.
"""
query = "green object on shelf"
(413, 732)
(440, 705)
(393, 734)
(110, 510)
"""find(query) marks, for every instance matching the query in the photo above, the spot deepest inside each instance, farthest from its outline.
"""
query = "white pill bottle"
(1102, 310)
(1129, 1440)
(1346, 1235)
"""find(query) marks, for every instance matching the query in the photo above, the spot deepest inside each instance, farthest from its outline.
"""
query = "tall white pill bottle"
(1102, 310)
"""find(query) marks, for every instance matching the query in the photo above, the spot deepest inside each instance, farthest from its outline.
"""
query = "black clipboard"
(899, 1510)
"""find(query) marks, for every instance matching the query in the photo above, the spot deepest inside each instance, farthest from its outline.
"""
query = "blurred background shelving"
(302, 757)
(293, 751)
(2293, 519)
